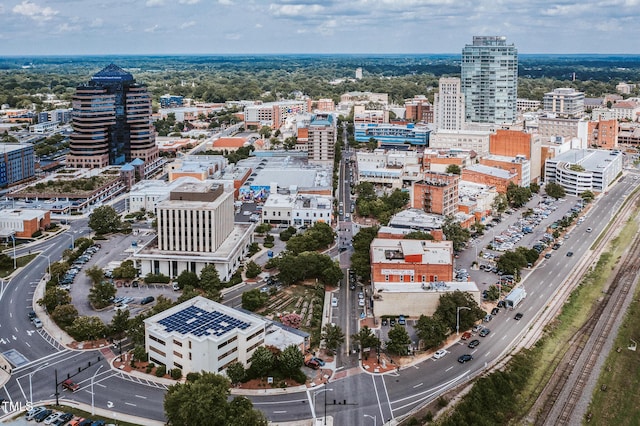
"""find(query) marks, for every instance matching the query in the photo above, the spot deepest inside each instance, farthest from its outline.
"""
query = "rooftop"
(493, 171)
(396, 250)
(202, 318)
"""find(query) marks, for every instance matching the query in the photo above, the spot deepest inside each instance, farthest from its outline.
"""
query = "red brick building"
(437, 193)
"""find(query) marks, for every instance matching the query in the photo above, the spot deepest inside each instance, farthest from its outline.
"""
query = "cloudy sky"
(35, 27)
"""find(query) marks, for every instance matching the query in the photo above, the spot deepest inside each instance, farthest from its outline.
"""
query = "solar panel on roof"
(199, 322)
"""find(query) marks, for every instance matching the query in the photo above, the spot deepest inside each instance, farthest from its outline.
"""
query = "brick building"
(491, 176)
(603, 134)
(437, 193)
(23, 223)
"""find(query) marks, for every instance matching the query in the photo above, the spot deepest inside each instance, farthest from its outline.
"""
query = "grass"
(620, 377)
(85, 414)
(576, 310)
(20, 262)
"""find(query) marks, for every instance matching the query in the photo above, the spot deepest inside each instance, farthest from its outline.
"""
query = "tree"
(399, 340)
(534, 187)
(100, 294)
(454, 169)
(236, 372)
(95, 274)
(447, 310)
(261, 362)
(58, 269)
(554, 190)
(54, 296)
(418, 235)
(139, 354)
(361, 258)
(493, 292)
(209, 279)
(188, 292)
(126, 270)
(64, 315)
(587, 196)
(517, 196)
(204, 401)
(290, 360)
(104, 220)
(87, 328)
(119, 323)
(431, 330)
(500, 203)
(252, 269)
(188, 278)
(333, 336)
(253, 300)
(366, 338)
(455, 233)
(511, 261)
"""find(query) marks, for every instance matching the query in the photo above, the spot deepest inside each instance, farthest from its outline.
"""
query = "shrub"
(176, 374)
(192, 377)
(161, 371)
(150, 367)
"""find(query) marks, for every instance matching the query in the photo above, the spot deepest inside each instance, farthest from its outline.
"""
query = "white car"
(439, 354)
(121, 307)
(53, 417)
(361, 302)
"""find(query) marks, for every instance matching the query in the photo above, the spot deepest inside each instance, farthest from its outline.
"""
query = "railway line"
(568, 383)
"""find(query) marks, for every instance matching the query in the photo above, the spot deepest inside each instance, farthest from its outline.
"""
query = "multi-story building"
(171, 101)
(629, 134)
(449, 105)
(196, 228)
(551, 127)
(491, 176)
(437, 193)
(111, 121)
(322, 135)
(439, 160)
(392, 134)
(297, 209)
(392, 168)
(365, 97)
(628, 110)
(514, 143)
(363, 115)
(523, 105)
(625, 88)
(476, 140)
(17, 163)
(580, 170)
(24, 223)
(518, 165)
(274, 114)
(202, 335)
(325, 105)
(418, 109)
(564, 102)
(490, 80)
(602, 134)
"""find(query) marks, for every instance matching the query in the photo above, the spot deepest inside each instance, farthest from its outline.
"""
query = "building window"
(151, 348)
(155, 339)
(386, 278)
(178, 354)
(411, 278)
(176, 365)
(177, 343)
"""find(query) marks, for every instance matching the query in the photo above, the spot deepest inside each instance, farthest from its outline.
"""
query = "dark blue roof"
(198, 322)
(112, 73)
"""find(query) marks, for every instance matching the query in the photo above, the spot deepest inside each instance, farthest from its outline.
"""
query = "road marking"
(504, 337)
(101, 385)
(418, 385)
(279, 412)
(141, 396)
(474, 351)
(448, 369)
(540, 297)
(133, 405)
(487, 354)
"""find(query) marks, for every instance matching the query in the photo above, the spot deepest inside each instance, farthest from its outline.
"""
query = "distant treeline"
(270, 77)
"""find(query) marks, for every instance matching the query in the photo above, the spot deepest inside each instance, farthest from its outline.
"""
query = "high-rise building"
(111, 121)
(323, 135)
(490, 80)
(564, 102)
(449, 103)
(17, 163)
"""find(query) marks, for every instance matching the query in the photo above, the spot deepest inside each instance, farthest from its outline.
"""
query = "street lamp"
(458, 318)
(30, 387)
(13, 238)
(325, 402)
(48, 261)
(371, 417)
(93, 409)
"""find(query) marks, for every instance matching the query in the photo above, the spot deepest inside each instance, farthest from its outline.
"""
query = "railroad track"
(593, 337)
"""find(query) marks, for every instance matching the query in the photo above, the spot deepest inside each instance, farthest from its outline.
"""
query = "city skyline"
(72, 27)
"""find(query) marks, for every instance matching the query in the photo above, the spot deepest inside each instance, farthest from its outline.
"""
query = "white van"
(334, 302)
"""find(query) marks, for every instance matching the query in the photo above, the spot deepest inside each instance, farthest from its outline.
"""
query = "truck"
(514, 298)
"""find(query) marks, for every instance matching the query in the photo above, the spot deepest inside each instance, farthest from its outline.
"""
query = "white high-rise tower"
(449, 105)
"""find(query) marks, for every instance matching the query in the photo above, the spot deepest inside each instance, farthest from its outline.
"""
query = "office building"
(111, 121)
(564, 102)
(419, 109)
(392, 135)
(17, 163)
(297, 209)
(449, 105)
(202, 335)
(490, 80)
(196, 228)
(392, 168)
(24, 223)
(171, 101)
(322, 135)
(274, 114)
(437, 193)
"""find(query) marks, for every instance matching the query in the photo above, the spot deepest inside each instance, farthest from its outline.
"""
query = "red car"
(466, 335)
(312, 363)
(72, 386)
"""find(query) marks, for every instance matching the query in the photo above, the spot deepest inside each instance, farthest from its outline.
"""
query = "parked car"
(37, 323)
(42, 415)
(71, 385)
(401, 320)
(466, 335)
(464, 358)
(32, 315)
(569, 253)
(64, 419)
(76, 422)
(484, 332)
(385, 321)
(320, 361)
(53, 417)
(472, 344)
(518, 316)
(34, 411)
(495, 311)
(439, 354)
(147, 299)
(312, 364)
(487, 318)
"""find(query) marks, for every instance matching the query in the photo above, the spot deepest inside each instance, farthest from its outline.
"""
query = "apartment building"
(274, 114)
(436, 193)
(564, 102)
(17, 163)
(449, 105)
(491, 176)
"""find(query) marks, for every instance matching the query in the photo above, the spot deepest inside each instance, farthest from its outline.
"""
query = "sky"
(98, 27)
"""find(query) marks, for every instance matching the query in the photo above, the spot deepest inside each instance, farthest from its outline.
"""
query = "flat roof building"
(580, 170)
(202, 335)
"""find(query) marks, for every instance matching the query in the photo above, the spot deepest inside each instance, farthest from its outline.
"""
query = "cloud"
(233, 36)
(225, 2)
(66, 28)
(186, 25)
(293, 10)
(33, 11)
(153, 3)
(189, 1)
(96, 23)
(258, 25)
(152, 29)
